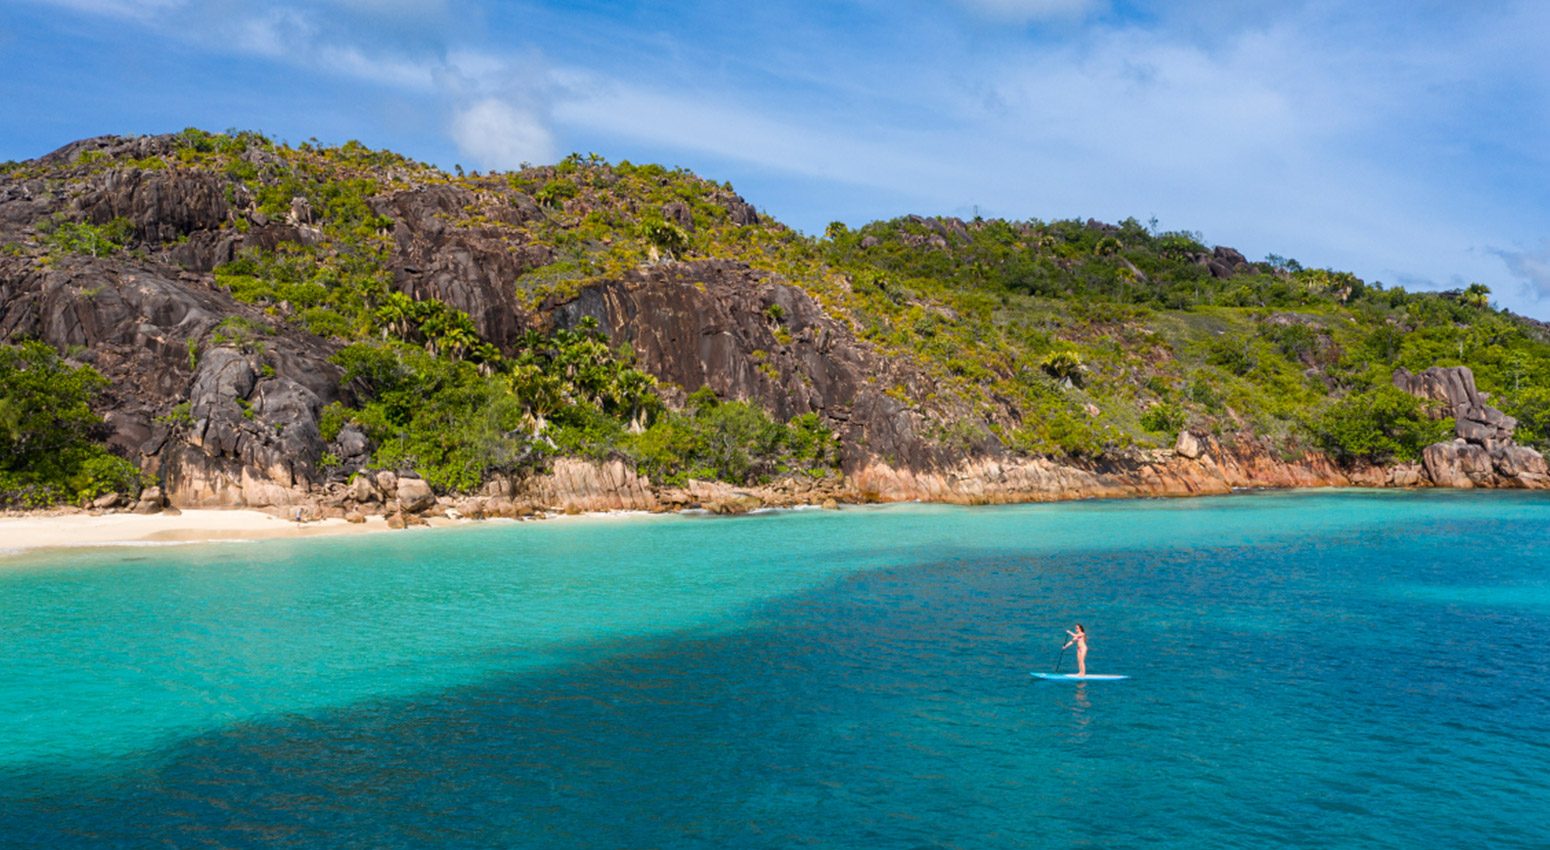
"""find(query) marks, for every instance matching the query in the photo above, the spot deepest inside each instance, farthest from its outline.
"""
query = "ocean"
(1331, 669)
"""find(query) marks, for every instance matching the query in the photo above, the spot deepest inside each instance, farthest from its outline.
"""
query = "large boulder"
(1225, 262)
(1454, 386)
(1407, 475)
(1457, 464)
(362, 490)
(1189, 446)
(1520, 462)
(414, 495)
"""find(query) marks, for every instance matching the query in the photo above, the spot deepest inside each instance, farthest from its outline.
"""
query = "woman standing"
(1079, 637)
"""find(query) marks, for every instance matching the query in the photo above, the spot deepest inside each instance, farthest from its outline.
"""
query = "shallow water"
(1334, 669)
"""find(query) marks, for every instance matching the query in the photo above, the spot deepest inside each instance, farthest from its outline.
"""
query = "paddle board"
(1072, 677)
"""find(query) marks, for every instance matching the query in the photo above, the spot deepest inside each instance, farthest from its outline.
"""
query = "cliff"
(214, 282)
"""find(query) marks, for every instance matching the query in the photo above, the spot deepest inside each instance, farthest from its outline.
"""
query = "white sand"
(191, 526)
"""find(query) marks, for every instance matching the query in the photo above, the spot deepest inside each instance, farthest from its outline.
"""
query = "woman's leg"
(1081, 661)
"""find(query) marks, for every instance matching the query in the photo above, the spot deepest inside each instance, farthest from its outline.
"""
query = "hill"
(247, 322)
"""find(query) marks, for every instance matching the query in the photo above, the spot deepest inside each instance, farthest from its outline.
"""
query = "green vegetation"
(1063, 338)
(435, 415)
(62, 236)
(566, 393)
(1381, 425)
(46, 432)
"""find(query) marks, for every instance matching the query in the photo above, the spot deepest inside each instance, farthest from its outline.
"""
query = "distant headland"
(199, 320)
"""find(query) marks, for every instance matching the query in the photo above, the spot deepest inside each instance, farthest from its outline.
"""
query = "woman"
(1078, 637)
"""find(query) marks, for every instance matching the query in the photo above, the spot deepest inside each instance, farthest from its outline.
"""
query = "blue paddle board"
(1072, 677)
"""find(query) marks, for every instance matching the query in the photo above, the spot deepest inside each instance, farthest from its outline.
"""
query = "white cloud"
(274, 34)
(397, 8)
(711, 124)
(395, 72)
(138, 9)
(1531, 268)
(498, 134)
(1030, 10)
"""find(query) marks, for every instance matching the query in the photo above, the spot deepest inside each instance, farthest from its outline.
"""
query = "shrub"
(75, 237)
(438, 417)
(47, 450)
(732, 441)
(1531, 407)
(98, 473)
(1381, 425)
(1064, 365)
(1165, 418)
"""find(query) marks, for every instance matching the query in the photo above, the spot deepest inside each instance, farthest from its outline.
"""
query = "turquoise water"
(1334, 669)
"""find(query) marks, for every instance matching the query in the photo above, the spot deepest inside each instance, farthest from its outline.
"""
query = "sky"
(1402, 141)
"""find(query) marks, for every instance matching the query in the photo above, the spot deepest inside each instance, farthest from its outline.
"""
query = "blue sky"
(1401, 141)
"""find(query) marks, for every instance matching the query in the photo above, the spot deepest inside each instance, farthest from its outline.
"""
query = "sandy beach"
(25, 533)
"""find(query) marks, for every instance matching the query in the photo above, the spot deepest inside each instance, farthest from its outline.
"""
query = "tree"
(1476, 295)
(540, 393)
(1382, 425)
(396, 315)
(45, 404)
(47, 454)
(666, 237)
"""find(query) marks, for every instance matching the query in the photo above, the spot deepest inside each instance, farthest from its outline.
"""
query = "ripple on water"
(850, 680)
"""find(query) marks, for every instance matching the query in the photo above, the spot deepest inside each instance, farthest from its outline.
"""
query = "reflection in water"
(1081, 718)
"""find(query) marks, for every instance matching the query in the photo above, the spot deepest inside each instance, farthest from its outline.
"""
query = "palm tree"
(1476, 295)
(666, 237)
(540, 394)
(487, 356)
(634, 393)
(396, 315)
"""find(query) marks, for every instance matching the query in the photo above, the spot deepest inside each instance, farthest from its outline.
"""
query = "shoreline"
(25, 534)
(61, 531)
(54, 530)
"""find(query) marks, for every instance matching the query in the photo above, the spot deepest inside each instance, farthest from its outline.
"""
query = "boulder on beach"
(414, 495)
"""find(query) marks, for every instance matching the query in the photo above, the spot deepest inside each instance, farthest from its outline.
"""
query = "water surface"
(1333, 669)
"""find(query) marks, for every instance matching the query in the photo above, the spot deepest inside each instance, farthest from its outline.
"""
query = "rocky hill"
(343, 329)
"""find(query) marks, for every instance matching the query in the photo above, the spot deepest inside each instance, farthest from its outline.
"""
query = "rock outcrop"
(249, 434)
(1483, 453)
(469, 267)
(749, 336)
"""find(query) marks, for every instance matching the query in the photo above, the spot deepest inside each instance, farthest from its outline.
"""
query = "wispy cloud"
(497, 134)
(490, 99)
(1030, 10)
(711, 124)
(138, 9)
(1530, 268)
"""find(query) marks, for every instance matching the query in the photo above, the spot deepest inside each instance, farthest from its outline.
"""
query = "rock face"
(713, 323)
(250, 435)
(1483, 454)
(576, 485)
(470, 268)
